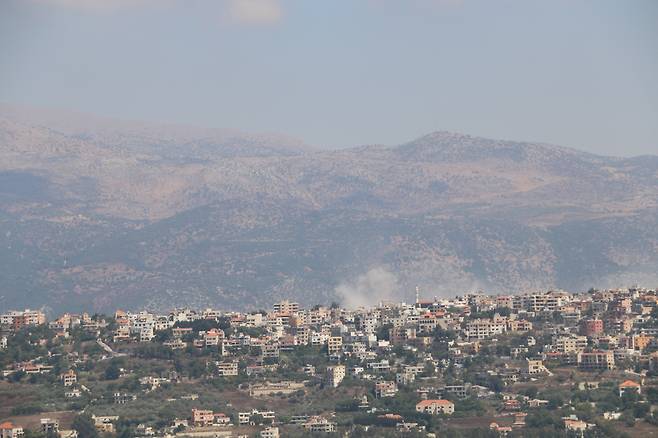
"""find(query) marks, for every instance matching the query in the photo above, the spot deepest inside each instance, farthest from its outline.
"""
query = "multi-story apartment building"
(202, 417)
(270, 351)
(504, 302)
(286, 307)
(401, 335)
(213, 337)
(459, 391)
(550, 301)
(592, 327)
(596, 360)
(569, 344)
(385, 389)
(69, 378)
(484, 328)
(17, 319)
(226, 369)
(334, 344)
(335, 375)
(382, 365)
(534, 366)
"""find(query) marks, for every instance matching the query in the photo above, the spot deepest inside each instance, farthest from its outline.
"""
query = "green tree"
(85, 426)
(628, 418)
(112, 372)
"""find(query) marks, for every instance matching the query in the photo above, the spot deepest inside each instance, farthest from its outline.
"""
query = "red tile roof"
(426, 403)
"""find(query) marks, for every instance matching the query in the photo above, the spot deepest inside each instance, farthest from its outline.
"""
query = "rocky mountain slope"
(98, 213)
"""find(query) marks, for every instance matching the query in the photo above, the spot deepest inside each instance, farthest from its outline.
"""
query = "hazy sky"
(339, 73)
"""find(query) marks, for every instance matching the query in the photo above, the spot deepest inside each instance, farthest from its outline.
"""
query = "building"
(401, 335)
(335, 375)
(435, 407)
(286, 307)
(519, 325)
(222, 419)
(502, 430)
(269, 351)
(17, 319)
(569, 344)
(271, 388)
(10, 430)
(550, 301)
(69, 378)
(334, 344)
(504, 301)
(319, 425)
(484, 328)
(629, 387)
(270, 432)
(641, 342)
(534, 366)
(49, 426)
(575, 426)
(105, 424)
(592, 327)
(245, 417)
(385, 389)
(213, 337)
(226, 369)
(382, 366)
(405, 378)
(596, 360)
(459, 391)
(121, 398)
(203, 417)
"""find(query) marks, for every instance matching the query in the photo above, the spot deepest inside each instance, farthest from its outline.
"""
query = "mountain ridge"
(239, 222)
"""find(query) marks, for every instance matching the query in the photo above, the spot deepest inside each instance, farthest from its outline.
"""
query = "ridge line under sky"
(344, 73)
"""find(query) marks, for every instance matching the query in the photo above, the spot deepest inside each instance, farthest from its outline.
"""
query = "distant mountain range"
(97, 214)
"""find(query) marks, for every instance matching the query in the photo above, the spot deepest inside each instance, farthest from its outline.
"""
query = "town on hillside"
(529, 365)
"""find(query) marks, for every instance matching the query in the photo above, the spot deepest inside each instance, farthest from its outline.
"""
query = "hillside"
(98, 212)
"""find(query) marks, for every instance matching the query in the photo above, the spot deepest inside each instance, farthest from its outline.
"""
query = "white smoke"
(624, 279)
(368, 289)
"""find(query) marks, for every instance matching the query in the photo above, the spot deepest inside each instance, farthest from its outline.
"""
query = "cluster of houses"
(594, 331)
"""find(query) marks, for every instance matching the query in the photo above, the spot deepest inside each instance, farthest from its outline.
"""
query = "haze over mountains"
(101, 214)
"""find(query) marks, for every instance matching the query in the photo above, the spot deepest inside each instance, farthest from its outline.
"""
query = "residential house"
(10, 430)
(435, 407)
(629, 387)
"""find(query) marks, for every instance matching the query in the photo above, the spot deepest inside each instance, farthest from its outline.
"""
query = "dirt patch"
(33, 422)
(478, 422)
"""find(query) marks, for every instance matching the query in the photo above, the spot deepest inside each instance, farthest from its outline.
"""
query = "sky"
(340, 73)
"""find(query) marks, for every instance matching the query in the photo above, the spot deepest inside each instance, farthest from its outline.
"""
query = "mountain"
(98, 213)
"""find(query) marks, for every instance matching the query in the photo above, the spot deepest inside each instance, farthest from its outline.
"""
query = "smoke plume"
(368, 289)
